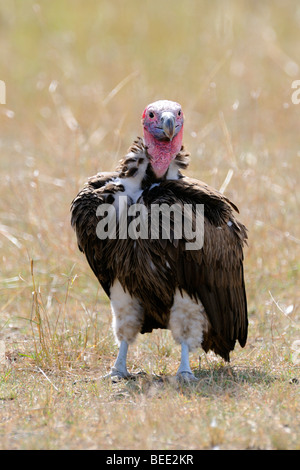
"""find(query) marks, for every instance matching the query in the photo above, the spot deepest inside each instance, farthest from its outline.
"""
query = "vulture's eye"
(179, 112)
(151, 115)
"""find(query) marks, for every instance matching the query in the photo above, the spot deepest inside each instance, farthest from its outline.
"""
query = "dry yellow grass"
(78, 75)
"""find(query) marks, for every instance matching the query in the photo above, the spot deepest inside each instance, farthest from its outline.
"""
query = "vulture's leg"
(127, 322)
(119, 368)
(187, 322)
(184, 372)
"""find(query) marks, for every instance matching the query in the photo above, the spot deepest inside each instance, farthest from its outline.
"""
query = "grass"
(77, 79)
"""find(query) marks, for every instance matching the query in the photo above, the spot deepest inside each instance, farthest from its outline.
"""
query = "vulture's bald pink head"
(163, 129)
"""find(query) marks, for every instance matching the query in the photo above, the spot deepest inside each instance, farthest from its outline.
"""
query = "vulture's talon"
(186, 377)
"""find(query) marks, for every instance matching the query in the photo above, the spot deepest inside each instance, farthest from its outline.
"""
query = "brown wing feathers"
(213, 275)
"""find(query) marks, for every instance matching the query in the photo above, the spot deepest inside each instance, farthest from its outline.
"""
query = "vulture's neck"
(162, 152)
(137, 165)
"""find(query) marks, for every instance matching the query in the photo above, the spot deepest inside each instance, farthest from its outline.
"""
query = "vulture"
(167, 249)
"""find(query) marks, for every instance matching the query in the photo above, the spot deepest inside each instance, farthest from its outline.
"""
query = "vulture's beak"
(168, 124)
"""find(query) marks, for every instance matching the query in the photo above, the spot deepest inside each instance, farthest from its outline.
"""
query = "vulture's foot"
(116, 375)
(186, 377)
(119, 370)
(184, 373)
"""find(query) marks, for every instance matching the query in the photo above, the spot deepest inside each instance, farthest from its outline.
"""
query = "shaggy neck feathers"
(138, 164)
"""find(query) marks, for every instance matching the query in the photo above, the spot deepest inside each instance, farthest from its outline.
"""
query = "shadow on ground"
(211, 381)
